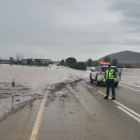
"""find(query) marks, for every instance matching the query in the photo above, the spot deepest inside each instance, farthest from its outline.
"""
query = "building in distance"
(24, 61)
(42, 61)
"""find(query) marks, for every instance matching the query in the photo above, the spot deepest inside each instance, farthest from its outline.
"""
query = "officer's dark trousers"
(110, 84)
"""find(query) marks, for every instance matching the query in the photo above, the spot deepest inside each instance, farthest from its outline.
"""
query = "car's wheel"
(96, 82)
(91, 80)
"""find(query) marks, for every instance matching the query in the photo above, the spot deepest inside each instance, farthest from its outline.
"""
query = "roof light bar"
(105, 63)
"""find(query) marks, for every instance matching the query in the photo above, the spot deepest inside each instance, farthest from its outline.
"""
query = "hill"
(127, 57)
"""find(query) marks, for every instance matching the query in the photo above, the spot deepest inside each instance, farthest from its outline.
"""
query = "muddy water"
(131, 76)
(34, 77)
(30, 82)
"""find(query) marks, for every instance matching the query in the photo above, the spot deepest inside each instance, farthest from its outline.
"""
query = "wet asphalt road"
(75, 110)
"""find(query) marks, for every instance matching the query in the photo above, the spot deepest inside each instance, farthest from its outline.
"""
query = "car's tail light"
(118, 72)
(100, 71)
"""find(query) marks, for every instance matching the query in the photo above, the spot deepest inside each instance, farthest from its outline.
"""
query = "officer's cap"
(109, 65)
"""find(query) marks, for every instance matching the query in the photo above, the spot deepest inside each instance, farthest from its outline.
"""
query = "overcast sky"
(58, 29)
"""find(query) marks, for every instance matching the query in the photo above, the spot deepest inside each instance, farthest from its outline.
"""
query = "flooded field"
(131, 76)
(30, 81)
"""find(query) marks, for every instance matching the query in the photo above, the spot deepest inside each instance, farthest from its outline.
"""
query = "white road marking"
(123, 107)
(129, 84)
(87, 85)
(82, 81)
(94, 88)
(130, 88)
(127, 108)
(101, 92)
(38, 120)
(131, 115)
(75, 77)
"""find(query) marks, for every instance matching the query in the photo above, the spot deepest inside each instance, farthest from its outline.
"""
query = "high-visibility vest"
(110, 75)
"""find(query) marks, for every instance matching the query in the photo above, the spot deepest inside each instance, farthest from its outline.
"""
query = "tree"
(129, 67)
(22, 56)
(114, 62)
(89, 62)
(18, 56)
(79, 66)
(119, 66)
(96, 64)
(107, 59)
(70, 60)
(62, 62)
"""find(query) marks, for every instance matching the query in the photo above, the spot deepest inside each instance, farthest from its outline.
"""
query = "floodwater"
(31, 80)
(131, 76)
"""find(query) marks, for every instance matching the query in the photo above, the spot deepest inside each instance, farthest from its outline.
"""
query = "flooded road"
(30, 81)
(72, 109)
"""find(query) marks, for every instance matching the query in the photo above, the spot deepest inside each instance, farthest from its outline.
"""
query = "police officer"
(110, 79)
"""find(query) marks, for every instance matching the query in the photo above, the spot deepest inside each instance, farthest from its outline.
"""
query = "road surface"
(76, 110)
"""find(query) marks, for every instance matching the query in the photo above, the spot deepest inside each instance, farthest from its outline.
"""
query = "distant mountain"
(124, 57)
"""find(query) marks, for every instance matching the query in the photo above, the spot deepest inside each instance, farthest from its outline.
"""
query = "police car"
(97, 75)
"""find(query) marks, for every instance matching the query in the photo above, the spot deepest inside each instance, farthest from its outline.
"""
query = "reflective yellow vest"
(110, 75)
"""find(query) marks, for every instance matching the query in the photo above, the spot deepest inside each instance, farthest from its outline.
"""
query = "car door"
(97, 71)
(120, 73)
(94, 73)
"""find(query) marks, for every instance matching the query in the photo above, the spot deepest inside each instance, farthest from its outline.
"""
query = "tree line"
(72, 63)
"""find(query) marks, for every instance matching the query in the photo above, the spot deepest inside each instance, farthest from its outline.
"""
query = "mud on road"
(61, 92)
(21, 99)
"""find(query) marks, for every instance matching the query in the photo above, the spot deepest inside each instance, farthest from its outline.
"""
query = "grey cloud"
(128, 8)
(63, 28)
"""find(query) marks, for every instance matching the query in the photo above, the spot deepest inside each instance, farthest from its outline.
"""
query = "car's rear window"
(106, 68)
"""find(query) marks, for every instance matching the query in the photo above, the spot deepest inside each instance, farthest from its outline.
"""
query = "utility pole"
(13, 94)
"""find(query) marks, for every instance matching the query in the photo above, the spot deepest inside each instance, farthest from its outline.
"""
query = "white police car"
(98, 73)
